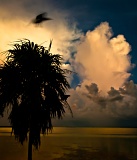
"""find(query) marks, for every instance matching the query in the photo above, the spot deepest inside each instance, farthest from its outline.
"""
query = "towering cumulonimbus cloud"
(105, 60)
(105, 94)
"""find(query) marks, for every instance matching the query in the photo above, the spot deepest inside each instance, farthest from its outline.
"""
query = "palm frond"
(33, 83)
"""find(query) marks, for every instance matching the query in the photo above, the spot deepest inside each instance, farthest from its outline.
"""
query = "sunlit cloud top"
(106, 60)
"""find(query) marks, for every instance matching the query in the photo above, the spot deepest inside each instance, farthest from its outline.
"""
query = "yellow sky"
(15, 24)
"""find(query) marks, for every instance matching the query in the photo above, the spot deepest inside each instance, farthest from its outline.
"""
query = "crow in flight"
(40, 18)
(65, 97)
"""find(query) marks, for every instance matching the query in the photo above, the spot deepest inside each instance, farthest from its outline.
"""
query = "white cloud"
(105, 60)
(105, 94)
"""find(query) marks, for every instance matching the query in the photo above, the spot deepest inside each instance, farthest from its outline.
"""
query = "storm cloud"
(102, 61)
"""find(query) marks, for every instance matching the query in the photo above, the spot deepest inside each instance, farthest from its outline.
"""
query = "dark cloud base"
(113, 122)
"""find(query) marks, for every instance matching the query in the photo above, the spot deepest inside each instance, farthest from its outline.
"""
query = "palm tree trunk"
(30, 147)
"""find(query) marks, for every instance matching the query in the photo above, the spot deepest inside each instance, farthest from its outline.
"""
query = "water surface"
(75, 144)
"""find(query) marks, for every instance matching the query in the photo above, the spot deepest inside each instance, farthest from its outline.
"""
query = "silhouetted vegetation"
(33, 86)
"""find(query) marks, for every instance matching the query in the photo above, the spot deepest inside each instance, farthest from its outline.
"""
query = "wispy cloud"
(15, 24)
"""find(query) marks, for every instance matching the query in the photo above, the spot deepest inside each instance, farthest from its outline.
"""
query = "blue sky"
(97, 39)
(121, 15)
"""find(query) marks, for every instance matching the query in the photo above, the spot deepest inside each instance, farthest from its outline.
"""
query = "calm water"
(75, 144)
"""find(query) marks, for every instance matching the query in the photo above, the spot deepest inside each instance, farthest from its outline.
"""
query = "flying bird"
(40, 18)
(64, 98)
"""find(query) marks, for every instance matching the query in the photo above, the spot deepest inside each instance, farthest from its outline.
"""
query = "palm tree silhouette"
(33, 85)
(40, 18)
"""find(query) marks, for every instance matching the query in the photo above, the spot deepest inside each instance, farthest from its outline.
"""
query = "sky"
(97, 39)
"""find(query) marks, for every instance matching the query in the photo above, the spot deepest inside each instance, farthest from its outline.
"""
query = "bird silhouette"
(64, 98)
(40, 18)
